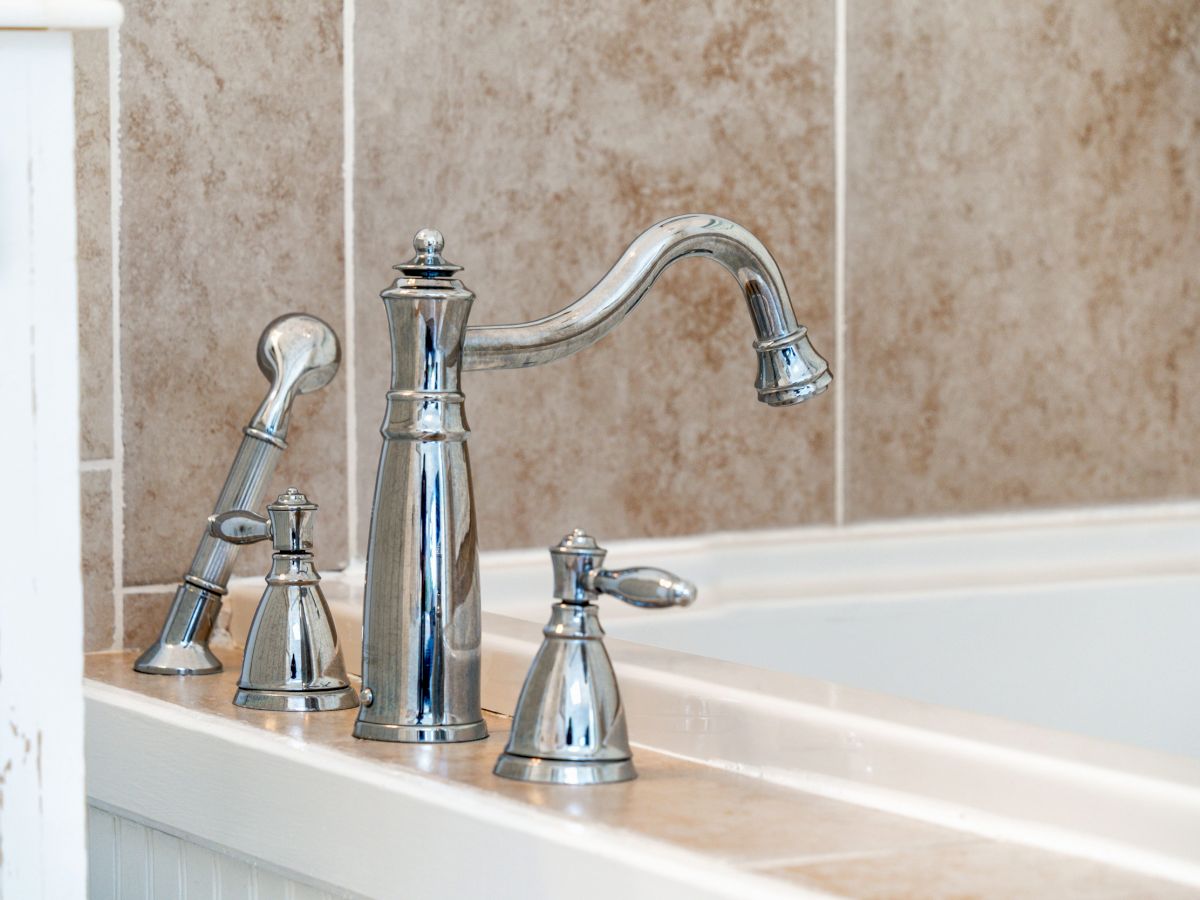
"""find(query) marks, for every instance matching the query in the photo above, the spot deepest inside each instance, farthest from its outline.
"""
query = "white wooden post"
(42, 801)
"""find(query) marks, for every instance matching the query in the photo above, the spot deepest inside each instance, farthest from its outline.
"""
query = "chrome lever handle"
(642, 586)
(237, 526)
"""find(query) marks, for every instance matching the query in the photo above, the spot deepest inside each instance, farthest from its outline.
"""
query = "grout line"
(157, 588)
(118, 436)
(95, 465)
(839, 264)
(349, 330)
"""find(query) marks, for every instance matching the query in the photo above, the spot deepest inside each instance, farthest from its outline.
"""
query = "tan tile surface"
(1023, 228)
(541, 138)
(94, 242)
(95, 500)
(978, 870)
(701, 809)
(231, 215)
(145, 613)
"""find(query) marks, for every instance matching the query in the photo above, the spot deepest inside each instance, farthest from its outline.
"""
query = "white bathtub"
(1117, 660)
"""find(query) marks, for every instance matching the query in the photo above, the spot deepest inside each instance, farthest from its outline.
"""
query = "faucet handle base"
(563, 771)
(297, 701)
(421, 734)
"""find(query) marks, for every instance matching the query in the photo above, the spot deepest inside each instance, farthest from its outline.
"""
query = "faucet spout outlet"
(421, 616)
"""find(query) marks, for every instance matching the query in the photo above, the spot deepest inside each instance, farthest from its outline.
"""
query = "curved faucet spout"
(790, 370)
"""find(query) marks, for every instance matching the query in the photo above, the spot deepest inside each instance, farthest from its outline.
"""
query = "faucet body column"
(421, 617)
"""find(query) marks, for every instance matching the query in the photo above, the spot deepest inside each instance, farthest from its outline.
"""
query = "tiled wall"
(1018, 292)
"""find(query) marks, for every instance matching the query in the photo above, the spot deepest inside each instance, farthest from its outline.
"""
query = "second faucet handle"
(578, 577)
(642, 586)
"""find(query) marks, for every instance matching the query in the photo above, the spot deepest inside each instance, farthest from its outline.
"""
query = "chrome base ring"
(177, 659)
(564, 771)
(421, 734)
(297, 701)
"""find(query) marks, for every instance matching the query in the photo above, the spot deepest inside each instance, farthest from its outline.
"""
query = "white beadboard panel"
(270, 885)
(133, 861)
(102, 854)
(235, 877)
(199, 872)
(166, 866)
(129, 860)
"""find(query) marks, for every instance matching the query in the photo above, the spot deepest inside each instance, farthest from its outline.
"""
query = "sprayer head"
(300, 354)
(300, 349)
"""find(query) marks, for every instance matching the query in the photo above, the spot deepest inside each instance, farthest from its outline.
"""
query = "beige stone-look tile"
(1023, 224)
(94, 244)
(231, 215)
(979, 870)
(95, 501)
(542, 138)
(144, 614)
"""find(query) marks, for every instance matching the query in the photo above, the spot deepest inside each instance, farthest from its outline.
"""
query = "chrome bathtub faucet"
(292, 661)
(421, 615)
(569, 724)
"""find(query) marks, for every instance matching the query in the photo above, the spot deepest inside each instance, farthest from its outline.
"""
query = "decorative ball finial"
(428, 262)
(292, 497)
(428, 241)
(578, 540)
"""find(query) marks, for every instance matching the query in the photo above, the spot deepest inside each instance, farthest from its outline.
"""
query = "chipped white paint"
(41, 615)
(133, 861)
(41, 612)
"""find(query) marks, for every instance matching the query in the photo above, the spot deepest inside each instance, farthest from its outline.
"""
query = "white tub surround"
(195, 791)
(41, 617)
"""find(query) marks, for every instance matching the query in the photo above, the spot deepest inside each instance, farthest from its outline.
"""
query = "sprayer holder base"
(163, 658)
